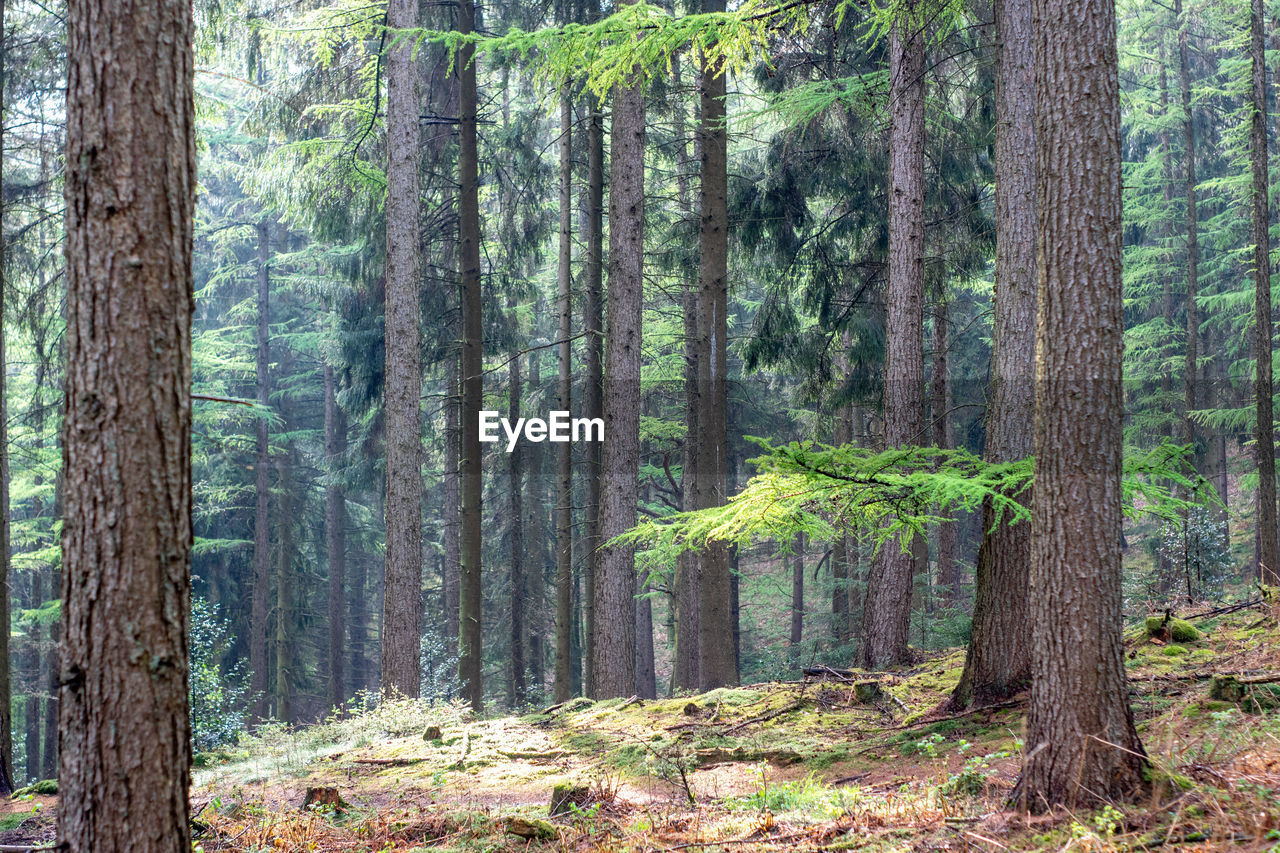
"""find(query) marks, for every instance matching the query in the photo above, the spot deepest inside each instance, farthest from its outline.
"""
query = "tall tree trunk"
(1267, 557)
(402, 571)
(948, 569)
(717, 666)
(361, 677)
(1081, 743)
(797, 591)
(285, 618)
(998, 662)
(6, 682)
(262, 459)
(593, 381)
(31, 709)
(452, 502)
(613, 651)
(471, 475)
(335, 533)
(515, 469)
(888, 605)
(127, 535)
(684, 600)
(564, 394)
(842, 434)
(1192, 369)
(646, 686)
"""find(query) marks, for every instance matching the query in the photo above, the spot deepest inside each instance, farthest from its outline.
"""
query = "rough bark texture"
(471, 475)
(515, 468)
(646, 669)
(797, 592)
(998, 661)
(613, 651)
(127, 535)
(1081, 743)
(262, 459)
(1268, 559)
(564, 394)
(452, 504)
(402, 573)
(335, 533)
(887, 619)
(6, 713)
(717, 664)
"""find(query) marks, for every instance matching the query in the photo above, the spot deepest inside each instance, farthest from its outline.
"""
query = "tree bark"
(471, 474)
(515, 468)
(262, 459)
(6, 683)
(1081, 743)
(797, 591)
(564, 400)
(1192, 370)
(402, 572)
(646, 686)
(1268, 560)
(887, 619)
(127, 533)
(452, 504)
(613, 651)
(998, 661)
(335, 530)
(285, 624)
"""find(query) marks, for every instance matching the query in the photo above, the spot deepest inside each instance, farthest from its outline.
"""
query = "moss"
(825, 759)
(44, 786)
(1174, 650)
(1176, 781)
(13, 821)
(1176, 630)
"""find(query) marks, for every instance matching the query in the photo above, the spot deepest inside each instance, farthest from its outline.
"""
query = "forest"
(692, 424)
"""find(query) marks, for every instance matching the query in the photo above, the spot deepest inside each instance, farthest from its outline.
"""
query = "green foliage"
(219, 695)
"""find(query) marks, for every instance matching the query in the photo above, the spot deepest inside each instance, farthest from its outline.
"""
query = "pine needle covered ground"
(829, 763)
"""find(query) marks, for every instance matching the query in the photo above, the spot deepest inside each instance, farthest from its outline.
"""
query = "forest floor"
(805, 765)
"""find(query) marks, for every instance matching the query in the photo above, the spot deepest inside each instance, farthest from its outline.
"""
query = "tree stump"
(564, 797)
(323, 797)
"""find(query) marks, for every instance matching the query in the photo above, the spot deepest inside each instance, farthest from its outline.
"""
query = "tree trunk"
(452, 504)
(1192, 369)
(613, 651)
(948, 569)
(564, 394)
(1081, 743)
(843, 434)
(31, 709)
(998, 662)
(516, 686)
(797, 591)
(471, 474)
(335, 529)
(127, 534)
(646, 675)
(285, 641)
(6, 683)
(888, 605)
(1268, 561)
(402, 573)
(262, 459)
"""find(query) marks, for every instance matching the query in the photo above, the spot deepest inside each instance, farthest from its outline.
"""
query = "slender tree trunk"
(6, 682)
(31, 710)
(843, 434)
(797, 591)
(127, 535)
(335, 530)
(888, 607)
(472, 476)
(948, 569)
(646, 686)
(402, 573)
(361, 676)
(564, 401)
(998, 663)
(1267, 558)
(593, 381)
(684, 600)
(452, 503)
(286, 622)
(613, 651)
(515, 468)
(262, 459)
(1081, 743)
(1192, 370)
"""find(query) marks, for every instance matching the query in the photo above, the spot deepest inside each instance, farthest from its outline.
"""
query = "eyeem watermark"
(559, 428)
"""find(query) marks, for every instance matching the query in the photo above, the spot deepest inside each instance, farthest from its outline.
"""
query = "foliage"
(219, 694)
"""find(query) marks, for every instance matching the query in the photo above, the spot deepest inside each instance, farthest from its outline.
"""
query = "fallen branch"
(386, 762)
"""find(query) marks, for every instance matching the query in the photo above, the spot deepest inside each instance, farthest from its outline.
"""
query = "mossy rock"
(1174, 650)
(1251, 698)
(432, 733)
(530, 829)
(45, 787)
(1172, 630)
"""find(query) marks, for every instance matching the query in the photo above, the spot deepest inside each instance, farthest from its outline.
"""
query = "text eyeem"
(559, 427)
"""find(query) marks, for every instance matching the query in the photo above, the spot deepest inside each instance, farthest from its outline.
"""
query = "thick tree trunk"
(127, 535)
(998, 662)
(515, 469)
(564, 394)
(613, 651)
(335, 532)
(717, 665)
(402, 573)
(1267, 557)
(262, 460)
(888, 606)
(471, 474)
(1081, 743)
